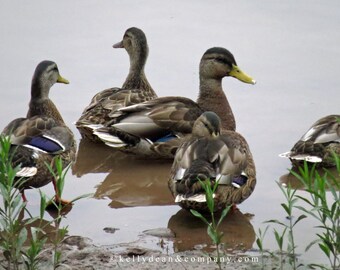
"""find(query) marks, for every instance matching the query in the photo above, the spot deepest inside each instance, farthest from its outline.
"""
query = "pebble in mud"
(160, 232)
(78, 241)
(110, 229)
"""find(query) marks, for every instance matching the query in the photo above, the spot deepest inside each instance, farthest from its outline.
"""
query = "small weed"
(212, 228)
(59, 175)
(288, 229)
(12, 234)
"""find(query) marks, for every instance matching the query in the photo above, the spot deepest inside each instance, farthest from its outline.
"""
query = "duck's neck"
(41, 105)
(212, 98)
(136, 78)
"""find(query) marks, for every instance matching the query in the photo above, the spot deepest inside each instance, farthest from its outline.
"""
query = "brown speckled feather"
(171, 113)
(107, 102)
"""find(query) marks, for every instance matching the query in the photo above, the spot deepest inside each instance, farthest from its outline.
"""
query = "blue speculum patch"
(239, 181)
(166, 138)
(45, 144)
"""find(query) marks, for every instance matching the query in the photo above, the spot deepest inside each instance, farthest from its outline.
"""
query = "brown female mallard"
(41, 136)
(135, 89)
(154, 128)
(212, 154)
(318, 144)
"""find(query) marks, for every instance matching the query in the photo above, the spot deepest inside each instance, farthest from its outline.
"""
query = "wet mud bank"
(80, 253)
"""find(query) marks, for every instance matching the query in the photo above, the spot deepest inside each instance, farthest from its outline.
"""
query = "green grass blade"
(199, 215)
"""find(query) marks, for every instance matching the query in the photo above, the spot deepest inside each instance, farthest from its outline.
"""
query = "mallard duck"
(41, 136)
(135, 89)
(154, 128)
(213, 154)
(318, 144)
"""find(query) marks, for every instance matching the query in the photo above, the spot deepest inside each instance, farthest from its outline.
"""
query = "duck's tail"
(301, 157)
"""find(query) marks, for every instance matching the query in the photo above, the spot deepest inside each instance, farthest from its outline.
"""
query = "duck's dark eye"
(221, 60)
(55, 70)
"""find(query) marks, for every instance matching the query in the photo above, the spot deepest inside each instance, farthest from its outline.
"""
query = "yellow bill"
(240, 75)
(62, 80)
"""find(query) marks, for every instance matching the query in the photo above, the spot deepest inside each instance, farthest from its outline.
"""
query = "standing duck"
(153, 129)
(42, 136)
(135, 89)
(213, 154)
(318, 144)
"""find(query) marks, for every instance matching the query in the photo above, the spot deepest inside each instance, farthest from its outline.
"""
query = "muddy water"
(290, 48)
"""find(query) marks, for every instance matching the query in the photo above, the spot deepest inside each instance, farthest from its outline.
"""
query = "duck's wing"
(103, 105)
(221, 158)
(325, 130)
(40, 133)
(154, 123)
(171, 113)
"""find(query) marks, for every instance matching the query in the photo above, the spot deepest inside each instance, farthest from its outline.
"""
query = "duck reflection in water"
(96, 158)
(191, 233)
(137, 184)
(130, 181)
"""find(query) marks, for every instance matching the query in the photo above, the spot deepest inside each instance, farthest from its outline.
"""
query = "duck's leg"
(23, 196)
(57, 199)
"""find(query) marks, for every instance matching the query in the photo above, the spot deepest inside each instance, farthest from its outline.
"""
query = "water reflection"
(136, 183)
(190, 232)
(46, 230)
(96, 158)
(130, 182)
(295, 183)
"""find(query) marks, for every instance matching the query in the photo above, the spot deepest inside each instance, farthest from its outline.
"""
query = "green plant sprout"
(212, 228)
